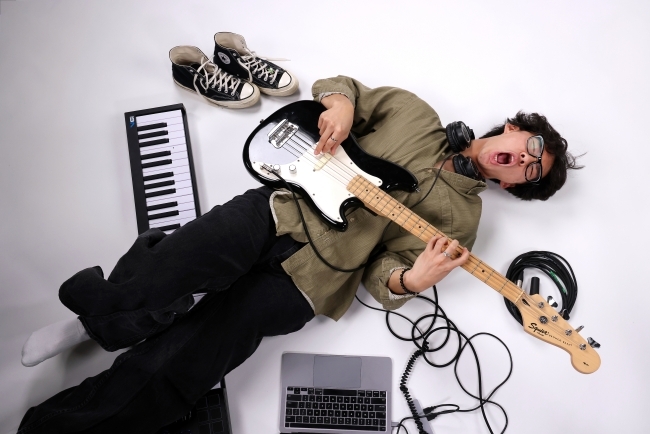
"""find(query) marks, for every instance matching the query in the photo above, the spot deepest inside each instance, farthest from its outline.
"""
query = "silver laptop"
(323, 393)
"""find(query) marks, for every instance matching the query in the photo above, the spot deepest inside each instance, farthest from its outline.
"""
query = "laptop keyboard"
(336, 409)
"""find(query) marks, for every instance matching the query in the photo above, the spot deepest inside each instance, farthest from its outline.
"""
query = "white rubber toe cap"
(246, 91)
(284, 80)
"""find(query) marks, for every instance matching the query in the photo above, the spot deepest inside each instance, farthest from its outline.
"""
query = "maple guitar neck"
(383, 204)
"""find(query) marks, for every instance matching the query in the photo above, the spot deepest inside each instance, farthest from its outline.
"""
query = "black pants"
(231, 253)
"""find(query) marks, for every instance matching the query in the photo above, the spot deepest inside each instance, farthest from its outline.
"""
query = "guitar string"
(315, 160)
(344, 167)
(307, 145)
(331, 170)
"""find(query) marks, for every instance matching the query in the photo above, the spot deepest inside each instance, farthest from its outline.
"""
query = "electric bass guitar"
(282, 146)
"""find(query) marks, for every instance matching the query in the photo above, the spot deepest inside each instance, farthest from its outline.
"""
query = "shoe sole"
(285, 91)
(251, 100)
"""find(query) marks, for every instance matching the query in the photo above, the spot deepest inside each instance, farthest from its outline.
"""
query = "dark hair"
(554, 144)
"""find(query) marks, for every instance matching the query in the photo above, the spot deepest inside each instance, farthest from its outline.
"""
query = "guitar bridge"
(281, 133)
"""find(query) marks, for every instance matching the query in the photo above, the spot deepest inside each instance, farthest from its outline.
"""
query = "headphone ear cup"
(452, 138)
(465, 166)
(458, 136)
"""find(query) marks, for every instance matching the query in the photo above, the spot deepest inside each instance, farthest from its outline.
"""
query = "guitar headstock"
(545, 323)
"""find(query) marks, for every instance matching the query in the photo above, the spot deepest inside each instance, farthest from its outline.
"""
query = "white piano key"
(177, 186)
(171, 196)
(182, 222)
(173, 150)
(177, 177)
(182, 198)
(170, 135)
(173, 142)
(181, 162)
(182, 215)
(171, 127)
(158, 117)
(181, 154)
(182, 147)
(186, 206)
(174, 171)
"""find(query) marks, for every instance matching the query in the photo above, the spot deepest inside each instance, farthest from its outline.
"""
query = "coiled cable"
(555, 267)
(405, 390)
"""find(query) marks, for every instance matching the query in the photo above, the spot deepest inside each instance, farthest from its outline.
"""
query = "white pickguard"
(324, 177)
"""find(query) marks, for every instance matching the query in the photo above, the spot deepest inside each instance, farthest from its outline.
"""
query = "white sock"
(52, 340)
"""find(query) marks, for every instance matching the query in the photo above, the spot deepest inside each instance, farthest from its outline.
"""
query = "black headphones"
(459, 137)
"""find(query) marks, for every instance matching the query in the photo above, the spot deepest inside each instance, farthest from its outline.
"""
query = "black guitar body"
(304, 115)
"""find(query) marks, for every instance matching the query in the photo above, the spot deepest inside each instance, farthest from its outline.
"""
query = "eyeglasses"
(535, 148)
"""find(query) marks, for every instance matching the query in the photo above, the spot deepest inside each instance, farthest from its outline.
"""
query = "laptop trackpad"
(337, 371)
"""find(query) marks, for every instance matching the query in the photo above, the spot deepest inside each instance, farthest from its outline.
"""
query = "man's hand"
(334, 123)
(430, 267)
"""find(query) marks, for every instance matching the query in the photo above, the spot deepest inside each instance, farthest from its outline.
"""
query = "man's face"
(504, 157)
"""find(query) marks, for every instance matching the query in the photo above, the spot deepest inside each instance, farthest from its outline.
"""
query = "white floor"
(70, 69)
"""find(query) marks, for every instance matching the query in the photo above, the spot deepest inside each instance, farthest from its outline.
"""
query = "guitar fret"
(416, 220)
(477, 264)
(398, 205)
(503, 286)
(425, 228)
(488, 278)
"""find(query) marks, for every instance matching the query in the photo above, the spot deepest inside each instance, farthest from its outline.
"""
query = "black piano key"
(158, 184)
(153, 142)
(156, 163)
(158, 176)
(169, 227)
(161, 206)
(163, 215)
(152, 126)
(160, 193)
(155, 155)
(154, 134)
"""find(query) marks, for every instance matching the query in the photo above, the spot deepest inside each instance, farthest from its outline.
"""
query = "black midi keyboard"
(164, 184)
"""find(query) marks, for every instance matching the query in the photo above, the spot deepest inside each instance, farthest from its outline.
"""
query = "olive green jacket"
(398, 126)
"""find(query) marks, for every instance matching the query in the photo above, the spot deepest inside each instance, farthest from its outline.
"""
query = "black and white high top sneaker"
(231, 54)
(193, 71)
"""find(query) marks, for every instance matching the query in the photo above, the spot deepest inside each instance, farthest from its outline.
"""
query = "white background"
(70, 69)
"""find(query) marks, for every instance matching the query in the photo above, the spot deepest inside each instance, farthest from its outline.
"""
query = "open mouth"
(504, 158)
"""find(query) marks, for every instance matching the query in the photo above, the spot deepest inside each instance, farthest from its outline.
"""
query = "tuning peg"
(593, 343)
(551, 301)
(579, 329)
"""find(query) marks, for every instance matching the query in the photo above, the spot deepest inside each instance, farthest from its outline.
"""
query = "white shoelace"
(257, 66)
(217, 78)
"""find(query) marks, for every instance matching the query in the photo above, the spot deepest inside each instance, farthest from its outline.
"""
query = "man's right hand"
(334, 123)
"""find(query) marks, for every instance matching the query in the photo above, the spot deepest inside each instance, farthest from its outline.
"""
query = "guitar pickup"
(281, 133)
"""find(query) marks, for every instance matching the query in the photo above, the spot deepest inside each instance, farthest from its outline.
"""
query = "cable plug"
(429, 410)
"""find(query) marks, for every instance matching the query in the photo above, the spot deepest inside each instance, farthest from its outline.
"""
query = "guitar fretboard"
(385, 205)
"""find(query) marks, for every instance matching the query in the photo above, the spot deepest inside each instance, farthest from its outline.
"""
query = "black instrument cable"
(555, 267)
